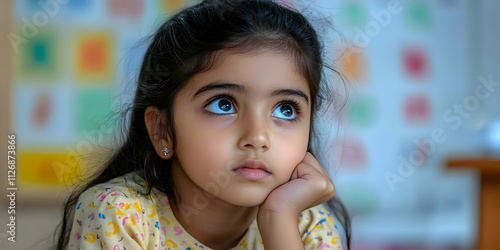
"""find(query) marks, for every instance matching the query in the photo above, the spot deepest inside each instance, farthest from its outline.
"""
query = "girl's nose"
(255, 136)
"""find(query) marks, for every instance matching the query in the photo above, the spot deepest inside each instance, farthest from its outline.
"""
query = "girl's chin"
(248, 203)
(247, 199)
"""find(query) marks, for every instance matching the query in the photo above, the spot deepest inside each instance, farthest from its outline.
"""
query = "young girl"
(217, 154)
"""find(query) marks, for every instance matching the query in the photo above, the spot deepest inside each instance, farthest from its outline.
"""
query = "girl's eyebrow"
(242, 89)
(291, 92)
(220, 85)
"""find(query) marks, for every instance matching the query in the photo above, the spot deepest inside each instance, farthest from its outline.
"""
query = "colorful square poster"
(91, 108)
(361, 111)
(41, 114)
(48, 168)
(415, 63)
(417, 109)
(132, 9)
(353, 65)
(94, 57)
(172, 5)
(38, 58)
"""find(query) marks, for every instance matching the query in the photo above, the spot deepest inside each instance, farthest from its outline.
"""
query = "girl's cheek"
(284, 126)
(292, 151)
(224, 122)
(216, 122)
(291, 129)
(214, 134)
(292, 134)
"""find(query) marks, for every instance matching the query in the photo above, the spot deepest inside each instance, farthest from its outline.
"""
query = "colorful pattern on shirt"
(117, 215)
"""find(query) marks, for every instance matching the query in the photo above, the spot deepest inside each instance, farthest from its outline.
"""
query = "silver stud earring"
(165, 151)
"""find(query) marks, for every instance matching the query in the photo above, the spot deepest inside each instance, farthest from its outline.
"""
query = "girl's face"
(242, 127)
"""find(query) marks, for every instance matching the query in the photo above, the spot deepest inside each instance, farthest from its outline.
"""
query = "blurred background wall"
(422, 89)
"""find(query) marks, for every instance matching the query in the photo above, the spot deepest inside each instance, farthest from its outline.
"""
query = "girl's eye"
(284, 111)
(221, 106)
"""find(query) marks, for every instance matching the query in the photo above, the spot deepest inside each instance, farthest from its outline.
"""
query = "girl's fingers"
(309, 185)
(310, 169)
(318, 183)
(311, 160)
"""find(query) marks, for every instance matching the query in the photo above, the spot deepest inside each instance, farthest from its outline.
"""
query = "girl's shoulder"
(116, 212)
(127, 189)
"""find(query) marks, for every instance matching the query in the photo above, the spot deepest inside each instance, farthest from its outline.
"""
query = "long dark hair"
(186, 44)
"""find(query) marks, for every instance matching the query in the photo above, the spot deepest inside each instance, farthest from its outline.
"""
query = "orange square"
(172, 5)
(94, 57)
(353, 65)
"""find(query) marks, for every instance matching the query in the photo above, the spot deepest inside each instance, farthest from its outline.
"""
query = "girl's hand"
(309, 185)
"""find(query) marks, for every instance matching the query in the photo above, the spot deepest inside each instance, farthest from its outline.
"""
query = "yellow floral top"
(118, 215)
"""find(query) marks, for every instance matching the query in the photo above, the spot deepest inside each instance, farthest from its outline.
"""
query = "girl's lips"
(251, 173)
(252, 170)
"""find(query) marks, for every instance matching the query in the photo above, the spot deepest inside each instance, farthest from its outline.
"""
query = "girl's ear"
(156, 124)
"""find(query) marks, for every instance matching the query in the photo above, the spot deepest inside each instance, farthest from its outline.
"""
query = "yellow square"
(56, 169)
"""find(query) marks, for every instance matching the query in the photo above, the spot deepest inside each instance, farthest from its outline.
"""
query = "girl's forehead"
(257, 70)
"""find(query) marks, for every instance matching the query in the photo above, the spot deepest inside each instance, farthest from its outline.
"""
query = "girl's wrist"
(269, 215)
(279, 230)
(279, 209)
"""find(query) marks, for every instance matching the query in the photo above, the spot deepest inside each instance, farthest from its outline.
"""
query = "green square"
(418, 15)
(362, 111)
(91, 108)
(354, 15)
(38, 57)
